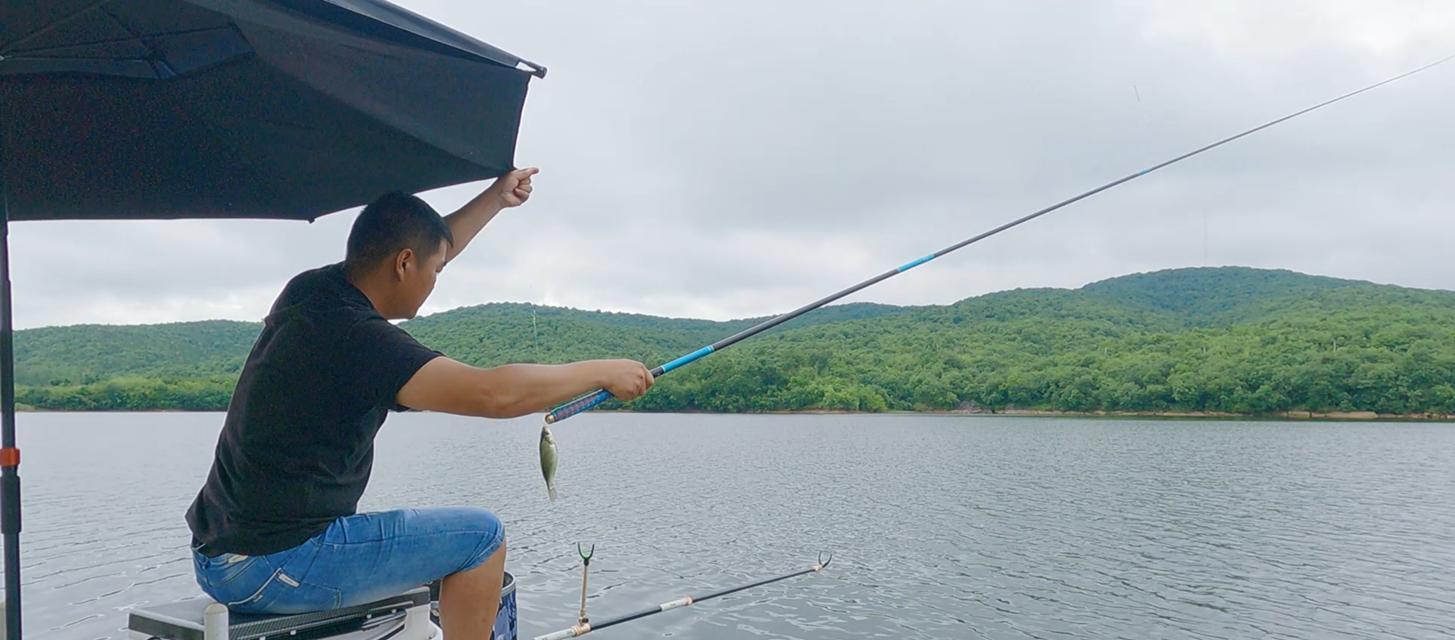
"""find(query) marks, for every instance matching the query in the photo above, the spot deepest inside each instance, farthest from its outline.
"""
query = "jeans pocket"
(290, 589)
(283, 594)
(227, 567)
(229, 577)
(248, 604)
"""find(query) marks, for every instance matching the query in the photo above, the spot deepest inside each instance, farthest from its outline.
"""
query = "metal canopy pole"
(9, 454)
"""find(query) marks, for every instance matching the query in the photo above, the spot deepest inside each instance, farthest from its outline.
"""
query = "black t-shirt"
(298, 442)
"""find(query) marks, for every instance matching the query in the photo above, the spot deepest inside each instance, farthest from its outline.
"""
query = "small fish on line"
(548, 461)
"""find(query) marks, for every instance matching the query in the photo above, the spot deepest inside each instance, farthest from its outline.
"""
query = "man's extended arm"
(509, 190)
(515, 390)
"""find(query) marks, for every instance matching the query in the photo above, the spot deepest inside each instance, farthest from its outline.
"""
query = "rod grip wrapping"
(584, 403)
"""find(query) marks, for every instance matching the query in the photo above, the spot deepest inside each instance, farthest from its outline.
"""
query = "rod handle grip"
(584, 403)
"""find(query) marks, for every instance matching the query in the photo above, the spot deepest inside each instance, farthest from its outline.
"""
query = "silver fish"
(548, 461)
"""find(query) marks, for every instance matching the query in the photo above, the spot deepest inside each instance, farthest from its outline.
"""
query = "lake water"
(941, 527)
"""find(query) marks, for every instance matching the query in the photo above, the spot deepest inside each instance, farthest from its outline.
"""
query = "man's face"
(420, 275)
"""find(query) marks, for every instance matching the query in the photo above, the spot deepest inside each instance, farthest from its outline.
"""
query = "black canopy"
(230, 109)
(218, 108)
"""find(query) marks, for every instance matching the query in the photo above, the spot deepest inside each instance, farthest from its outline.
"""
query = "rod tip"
(550, 418)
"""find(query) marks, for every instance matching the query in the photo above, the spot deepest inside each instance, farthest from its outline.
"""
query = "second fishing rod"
(595, 398)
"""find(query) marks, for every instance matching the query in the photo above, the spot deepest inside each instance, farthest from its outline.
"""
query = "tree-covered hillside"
(1228, 339)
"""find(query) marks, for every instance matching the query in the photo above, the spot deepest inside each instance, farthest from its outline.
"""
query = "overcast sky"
(731, 159)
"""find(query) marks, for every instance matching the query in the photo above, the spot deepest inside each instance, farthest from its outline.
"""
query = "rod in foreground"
(583, 628)
(591, 400)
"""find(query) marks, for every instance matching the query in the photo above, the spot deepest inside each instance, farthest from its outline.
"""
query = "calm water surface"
(942, 527)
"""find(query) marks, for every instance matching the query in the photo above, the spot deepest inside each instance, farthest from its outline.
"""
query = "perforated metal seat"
(401, 617)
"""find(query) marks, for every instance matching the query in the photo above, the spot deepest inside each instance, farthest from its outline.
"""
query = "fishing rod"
(584, 626)
(591, 400)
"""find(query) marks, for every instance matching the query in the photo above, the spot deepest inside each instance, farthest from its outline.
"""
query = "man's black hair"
(394, 222)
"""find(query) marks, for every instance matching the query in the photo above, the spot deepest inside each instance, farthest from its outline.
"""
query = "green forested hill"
(1215, 339)
(1209, 297)
(511, 332)
(84, 354)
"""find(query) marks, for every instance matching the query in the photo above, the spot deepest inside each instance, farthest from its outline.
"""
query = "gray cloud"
(732, 159)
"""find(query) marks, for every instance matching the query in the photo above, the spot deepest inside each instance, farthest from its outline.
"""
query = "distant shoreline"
(1283, 416)
(1290, 416)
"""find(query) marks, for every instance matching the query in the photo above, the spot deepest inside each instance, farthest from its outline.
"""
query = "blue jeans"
(358, 559)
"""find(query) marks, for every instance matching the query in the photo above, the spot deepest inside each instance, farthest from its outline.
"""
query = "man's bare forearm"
(520, 389)
(514, 390)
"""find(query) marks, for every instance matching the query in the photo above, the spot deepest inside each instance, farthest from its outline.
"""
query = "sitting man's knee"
(491, 539)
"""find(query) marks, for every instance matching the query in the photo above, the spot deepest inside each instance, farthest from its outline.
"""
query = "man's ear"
(404, 257)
